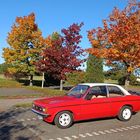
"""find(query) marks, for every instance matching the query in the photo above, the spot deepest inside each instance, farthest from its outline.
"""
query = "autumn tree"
(118, 41)
(62, 55)
(26, 42)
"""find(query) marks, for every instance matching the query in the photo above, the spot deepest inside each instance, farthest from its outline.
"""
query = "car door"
(96, 107)
(117, 99)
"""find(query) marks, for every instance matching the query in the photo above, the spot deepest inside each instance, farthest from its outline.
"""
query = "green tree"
(3, 68)
(76, 77)
(26, 42)
(94, 72)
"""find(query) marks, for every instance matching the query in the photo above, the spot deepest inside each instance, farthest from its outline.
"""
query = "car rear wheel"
(63, 119)
(125, 113)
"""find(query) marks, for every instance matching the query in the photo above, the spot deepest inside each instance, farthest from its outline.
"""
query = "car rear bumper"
(39, 113)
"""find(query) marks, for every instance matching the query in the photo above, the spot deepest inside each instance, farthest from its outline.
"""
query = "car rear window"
(114, 91)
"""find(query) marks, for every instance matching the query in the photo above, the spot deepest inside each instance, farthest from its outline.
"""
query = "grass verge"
(9, 83)
(24, 105)
(46, 91)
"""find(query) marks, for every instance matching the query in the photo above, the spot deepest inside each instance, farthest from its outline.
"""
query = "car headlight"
(44, 109)
(33, 105)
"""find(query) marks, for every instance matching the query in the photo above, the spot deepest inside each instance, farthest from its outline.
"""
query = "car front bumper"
(39, 113)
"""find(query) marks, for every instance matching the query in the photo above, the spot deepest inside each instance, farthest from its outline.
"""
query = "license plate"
(40, 117)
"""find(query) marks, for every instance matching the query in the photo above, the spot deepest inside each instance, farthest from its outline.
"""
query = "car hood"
(56, 101)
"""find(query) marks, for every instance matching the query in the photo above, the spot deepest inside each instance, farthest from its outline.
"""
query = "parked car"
(88, 101)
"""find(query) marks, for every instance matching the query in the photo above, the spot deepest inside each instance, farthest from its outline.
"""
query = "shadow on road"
(11, 129)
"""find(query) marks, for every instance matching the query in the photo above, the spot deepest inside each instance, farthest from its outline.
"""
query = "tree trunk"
(31, 80)
(127, 80)
(61, 85)
(43, 80)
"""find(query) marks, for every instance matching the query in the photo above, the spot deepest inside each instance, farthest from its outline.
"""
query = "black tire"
(63, 119)
(125, 113)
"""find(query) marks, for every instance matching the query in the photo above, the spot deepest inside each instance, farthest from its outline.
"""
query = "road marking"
(134, 127)
(107, 131)
(118, 129)
(75, 137)
(67, 138)
(101, 132)
(124, 128)
(88, 134)
(59, 138)
(81, 135)
(113, 130)
(129, 127)
(95, 133)
(28, 119)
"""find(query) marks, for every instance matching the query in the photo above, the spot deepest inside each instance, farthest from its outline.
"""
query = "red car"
(88, 101)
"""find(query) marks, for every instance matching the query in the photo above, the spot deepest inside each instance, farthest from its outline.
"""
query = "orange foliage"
(26, 42)
(119, 39)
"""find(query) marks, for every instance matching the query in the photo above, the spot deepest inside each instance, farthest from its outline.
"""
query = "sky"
(54, 15)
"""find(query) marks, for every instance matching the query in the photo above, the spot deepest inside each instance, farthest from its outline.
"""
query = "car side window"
(114, 91)
(97, 92)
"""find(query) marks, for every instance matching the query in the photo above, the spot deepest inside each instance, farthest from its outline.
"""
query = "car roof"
(97, 84)
(106, 84)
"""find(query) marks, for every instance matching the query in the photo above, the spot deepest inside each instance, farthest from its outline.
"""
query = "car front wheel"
(125, 113)
(63, 119)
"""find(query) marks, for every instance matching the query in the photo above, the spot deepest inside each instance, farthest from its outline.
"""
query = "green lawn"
(9, 83)
(24, 105)
(111, 81)
(2, 76)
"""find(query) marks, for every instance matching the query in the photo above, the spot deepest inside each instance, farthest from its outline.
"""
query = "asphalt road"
(17, 91)
(22, 124)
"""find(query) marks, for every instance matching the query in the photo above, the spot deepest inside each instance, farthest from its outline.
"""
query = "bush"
(121, 80)
(16, 75)
(132, 79)
(76, 77)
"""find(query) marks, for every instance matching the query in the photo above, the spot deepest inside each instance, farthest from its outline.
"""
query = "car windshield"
(78, 91)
